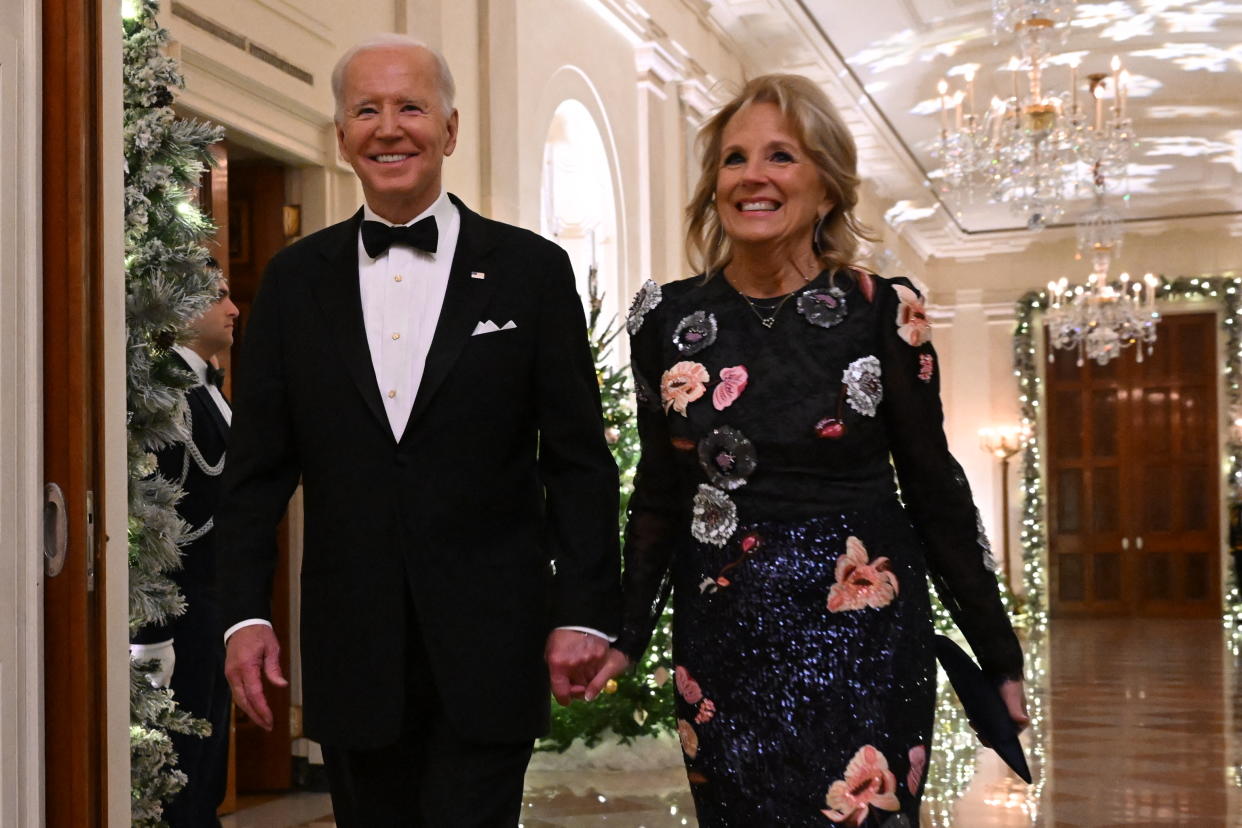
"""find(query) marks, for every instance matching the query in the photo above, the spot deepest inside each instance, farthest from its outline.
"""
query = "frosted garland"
(167, 285)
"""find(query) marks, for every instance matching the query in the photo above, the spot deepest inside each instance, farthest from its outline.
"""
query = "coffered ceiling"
(881, 61)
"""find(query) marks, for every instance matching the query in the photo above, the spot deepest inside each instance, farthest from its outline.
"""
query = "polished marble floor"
(1136, 723)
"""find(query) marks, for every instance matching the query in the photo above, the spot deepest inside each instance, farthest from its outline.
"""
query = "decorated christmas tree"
(168, 283)
(640, 701)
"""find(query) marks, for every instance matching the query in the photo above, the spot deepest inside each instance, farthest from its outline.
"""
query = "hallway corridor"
(1137, 723)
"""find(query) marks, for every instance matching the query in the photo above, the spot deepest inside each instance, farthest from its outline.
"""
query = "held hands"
(251, 650)
(580, 664)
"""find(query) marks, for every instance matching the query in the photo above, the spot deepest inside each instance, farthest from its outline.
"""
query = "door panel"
(256, 197)
(1132, 484)
(72, 422)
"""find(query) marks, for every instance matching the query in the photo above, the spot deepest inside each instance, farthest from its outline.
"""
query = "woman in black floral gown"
(772, 394)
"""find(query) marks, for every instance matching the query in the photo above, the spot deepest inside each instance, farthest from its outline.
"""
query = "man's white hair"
(390, 40)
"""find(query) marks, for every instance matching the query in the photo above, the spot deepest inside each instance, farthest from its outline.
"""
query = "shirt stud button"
(392, 394)
(396, 336)
(397, 278)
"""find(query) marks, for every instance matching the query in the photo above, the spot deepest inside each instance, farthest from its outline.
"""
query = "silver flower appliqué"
(695, 332)
(864, 389)
(715, 516)
(645, 301)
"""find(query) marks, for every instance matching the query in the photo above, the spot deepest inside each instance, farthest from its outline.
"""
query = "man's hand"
(615, 663)
(250, 650)
(574, 658)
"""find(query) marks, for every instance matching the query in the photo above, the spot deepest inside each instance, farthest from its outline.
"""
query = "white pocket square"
(488, 326)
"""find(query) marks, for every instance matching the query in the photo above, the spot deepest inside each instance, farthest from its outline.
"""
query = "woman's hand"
(1014, 696)
(615, 663)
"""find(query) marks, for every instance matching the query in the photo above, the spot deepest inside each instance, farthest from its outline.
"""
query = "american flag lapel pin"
(477, 274)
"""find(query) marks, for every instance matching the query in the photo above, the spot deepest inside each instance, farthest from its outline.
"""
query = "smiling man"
(425, 373)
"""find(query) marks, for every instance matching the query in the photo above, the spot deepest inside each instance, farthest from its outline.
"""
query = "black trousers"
(430, 777)
(199, 686)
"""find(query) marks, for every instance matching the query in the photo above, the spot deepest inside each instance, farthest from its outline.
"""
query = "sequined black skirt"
(805, 672)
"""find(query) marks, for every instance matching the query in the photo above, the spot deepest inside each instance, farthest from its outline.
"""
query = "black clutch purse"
(983, 704)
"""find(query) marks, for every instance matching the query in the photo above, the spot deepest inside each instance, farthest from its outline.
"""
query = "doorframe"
(1030, 349)
(115, 471)
(21, 439)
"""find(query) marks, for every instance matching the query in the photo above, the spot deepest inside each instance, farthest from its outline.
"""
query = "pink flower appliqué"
(732, 384)
(918, 763)
(927, 366)
(859, 583)
(707, 710)
(912, 324)
(682, 384)
(689, 739)
(687, 687)
(868, 784)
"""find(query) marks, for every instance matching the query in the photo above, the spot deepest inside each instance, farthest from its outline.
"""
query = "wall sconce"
(291, 220)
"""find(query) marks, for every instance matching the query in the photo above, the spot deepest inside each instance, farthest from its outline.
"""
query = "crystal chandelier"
(1029, 149)
(1101, 318)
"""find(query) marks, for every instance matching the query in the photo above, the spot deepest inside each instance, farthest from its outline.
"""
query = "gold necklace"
(769, 321)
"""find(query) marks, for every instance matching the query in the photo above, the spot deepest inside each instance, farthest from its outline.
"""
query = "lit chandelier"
(1101, 318)
(1029, 150)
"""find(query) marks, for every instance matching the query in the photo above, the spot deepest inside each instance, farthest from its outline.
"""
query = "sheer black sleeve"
(933, 486)
(657, 515)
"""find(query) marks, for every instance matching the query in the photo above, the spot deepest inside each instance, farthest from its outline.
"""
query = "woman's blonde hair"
(825, 138)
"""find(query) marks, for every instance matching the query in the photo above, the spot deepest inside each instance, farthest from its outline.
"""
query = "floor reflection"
(1135, 724)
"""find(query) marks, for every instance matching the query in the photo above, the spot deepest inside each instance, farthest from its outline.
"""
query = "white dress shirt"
(402, 293)
(199, 366)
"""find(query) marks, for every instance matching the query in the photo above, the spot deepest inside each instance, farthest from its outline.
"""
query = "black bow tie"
(378, 237)
(215, 376)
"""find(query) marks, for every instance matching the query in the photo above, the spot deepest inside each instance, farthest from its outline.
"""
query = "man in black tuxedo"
(188, 647)
(426, 372)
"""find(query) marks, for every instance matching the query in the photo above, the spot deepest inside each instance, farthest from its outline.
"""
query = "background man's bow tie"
(378, 237)
(215, 376)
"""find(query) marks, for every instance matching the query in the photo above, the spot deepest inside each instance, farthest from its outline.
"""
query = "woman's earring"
(816, 246)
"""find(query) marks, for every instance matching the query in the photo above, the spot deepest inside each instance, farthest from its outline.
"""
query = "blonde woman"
(774, 388)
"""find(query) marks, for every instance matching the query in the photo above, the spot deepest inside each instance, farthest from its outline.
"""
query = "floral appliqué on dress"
(824, 307)
(868, 784)
(689, 690)
(732, 383)
(695, 332)
(727, 458)
(645, 301)
(912, 323)
(927, 367)
(682, 384)
(715, 516)
(863, 387)
(861, 583)
(918, 763)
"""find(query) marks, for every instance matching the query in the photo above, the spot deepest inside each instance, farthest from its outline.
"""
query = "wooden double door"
(1134, 478)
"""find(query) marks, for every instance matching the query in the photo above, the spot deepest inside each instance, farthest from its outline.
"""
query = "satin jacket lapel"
(464, 301)
(336, 289)
(208, 404)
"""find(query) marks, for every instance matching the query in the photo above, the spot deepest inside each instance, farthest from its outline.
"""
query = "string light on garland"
(1225, 290)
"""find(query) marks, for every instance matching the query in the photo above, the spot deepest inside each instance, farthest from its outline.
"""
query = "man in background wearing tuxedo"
(188, 647)
(425, 372)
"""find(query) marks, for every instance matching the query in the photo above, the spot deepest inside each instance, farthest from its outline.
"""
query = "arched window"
(579, 205)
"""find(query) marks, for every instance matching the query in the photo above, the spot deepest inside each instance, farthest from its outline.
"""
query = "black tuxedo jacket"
(209, 433)
(492, 519)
